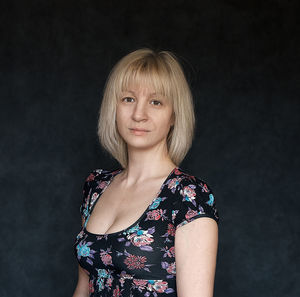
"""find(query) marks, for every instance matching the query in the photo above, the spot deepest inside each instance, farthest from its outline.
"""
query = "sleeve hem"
(186, 221)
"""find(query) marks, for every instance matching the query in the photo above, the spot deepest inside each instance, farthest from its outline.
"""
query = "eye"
(127, 98)
(157, 103)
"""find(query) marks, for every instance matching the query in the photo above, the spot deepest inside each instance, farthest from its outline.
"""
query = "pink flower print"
(205, 188)
(191, 213)
(94, 197)
(171, 269)
(90, 177)
(135, 262)
(168, 252)
(189, 194)
(155, 214)
(109, 281)
(171, 252)
(106, 258)
(123, 277)
(91, 287)
(160, 286)
(177, 171)
(141, 240)
(171, 229)
(102, 184)
(140, 283)
(173, 183)
(116, 292)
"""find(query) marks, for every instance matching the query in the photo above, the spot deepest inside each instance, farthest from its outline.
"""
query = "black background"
(242, 62)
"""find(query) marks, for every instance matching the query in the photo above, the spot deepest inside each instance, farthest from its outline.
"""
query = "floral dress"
(140, 260)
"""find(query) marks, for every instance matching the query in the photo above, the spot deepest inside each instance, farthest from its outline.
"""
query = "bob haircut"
(162, 71)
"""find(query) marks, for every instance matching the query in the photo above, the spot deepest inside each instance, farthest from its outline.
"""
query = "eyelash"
(152, 100)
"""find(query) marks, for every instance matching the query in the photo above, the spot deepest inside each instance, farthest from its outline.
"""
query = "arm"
(82, 288)
(196, 245)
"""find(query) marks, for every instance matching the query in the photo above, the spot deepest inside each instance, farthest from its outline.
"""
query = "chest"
(146, 248)
(117, 208)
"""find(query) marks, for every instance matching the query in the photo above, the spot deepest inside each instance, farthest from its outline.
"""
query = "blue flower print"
(84, 250)
(140, 260)
(104, 275)
(211, 200)
(133, 229)
(156, 202)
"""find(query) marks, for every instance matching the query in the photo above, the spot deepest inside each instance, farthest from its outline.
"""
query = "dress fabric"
(140, 260)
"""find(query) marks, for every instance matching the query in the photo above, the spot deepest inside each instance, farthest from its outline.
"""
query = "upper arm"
(196, 246)
(196, 238)
(82, 288)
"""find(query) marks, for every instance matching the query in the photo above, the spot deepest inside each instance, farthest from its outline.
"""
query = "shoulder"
(193, 198)
(187, 184)
(95, 181)
(99, 174)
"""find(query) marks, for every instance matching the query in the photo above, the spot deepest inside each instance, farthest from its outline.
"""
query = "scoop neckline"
(113, 174)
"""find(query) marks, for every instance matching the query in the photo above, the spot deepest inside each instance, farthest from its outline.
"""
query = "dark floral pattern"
(140, 260)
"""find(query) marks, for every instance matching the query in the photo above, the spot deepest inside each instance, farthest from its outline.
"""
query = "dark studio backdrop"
(242, 62)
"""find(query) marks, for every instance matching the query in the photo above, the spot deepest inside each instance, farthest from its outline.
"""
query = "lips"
(136, 129)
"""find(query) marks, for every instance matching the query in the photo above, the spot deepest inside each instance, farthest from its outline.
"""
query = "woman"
(140, 234)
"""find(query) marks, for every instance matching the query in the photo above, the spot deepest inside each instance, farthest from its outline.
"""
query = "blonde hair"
(163, 71)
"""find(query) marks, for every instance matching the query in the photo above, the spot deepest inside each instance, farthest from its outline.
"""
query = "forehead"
(146, 89)
(148, 82)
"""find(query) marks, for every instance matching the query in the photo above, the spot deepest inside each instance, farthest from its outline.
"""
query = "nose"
(140, 111)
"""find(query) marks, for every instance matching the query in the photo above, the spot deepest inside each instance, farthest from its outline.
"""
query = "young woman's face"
(140, 108)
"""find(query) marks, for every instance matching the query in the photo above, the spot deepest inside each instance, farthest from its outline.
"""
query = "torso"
(120, 207)
(133, 254)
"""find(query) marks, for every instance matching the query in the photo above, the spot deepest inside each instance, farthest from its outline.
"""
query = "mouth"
(139, 130)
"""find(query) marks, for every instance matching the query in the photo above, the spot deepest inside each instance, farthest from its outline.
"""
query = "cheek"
(120, 114)
(118, 119)
(122, 119)
(166, 119)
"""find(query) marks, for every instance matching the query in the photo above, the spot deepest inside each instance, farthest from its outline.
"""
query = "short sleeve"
(195, 200)
(86, 193)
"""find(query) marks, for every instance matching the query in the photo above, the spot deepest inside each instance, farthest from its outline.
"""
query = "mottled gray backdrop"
(242, 61)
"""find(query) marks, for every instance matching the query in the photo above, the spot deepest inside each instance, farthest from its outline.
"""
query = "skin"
(195, 254)
(140, 107)
(196, 242)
